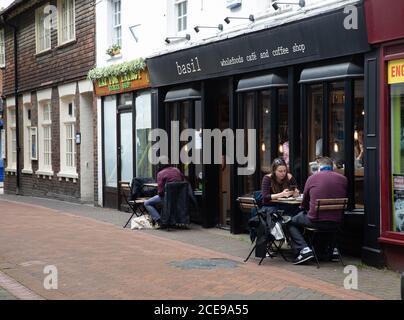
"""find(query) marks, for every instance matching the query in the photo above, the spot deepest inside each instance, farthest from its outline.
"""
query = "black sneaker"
(303, 257)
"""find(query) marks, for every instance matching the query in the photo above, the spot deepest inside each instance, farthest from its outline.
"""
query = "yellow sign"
(396, 71)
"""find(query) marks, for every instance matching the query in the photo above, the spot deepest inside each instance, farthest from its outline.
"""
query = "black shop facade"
(302, 88)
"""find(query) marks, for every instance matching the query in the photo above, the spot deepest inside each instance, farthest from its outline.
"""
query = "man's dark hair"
(325, 161)
(164, 163)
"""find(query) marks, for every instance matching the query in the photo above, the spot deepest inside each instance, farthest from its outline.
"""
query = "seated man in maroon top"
(166, 175)
(325, 184)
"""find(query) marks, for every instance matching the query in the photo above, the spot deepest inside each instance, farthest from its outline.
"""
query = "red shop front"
(386, 34)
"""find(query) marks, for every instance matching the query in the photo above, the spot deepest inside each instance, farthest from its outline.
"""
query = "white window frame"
(181, 19)
(34, 143)
(116, 27)
(11, 139)
(45, 142)
(39, 13)
(64, 19)
(68, 163)
(2, 49)
(27, 139)
(3, 143)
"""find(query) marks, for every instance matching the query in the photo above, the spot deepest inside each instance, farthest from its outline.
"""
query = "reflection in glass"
(315, 119)
(248, 116)
(126, 147)
(283, 149)
(143, 127)
(198, 146)
(110, 149)
(265, 132)
(397, 156)
(336, 123)
(184, 124)
(359, 147)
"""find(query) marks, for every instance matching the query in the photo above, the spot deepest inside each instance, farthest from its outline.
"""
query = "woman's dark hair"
(276, 186)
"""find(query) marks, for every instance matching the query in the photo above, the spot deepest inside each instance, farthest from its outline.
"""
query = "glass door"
(125, 148)
(110, 173)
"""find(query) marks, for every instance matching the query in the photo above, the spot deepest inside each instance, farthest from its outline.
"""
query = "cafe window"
(397, 157)
(183, 108)
(248, 116)
(359, 143)
(315, 120)
(283, 149)
(265, 131)
(264, 107)
(335, 123)
(143, 128)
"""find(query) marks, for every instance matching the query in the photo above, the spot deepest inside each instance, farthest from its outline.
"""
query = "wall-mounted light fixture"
(186, 37)
(301, 3)
(251, 18)
(220, 27)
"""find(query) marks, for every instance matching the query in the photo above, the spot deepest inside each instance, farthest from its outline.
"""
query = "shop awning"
(331, 72)
(261, 82)
(182, 94)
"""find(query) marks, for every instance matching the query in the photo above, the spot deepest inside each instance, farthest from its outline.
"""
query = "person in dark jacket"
(325, 184)
(166, 175)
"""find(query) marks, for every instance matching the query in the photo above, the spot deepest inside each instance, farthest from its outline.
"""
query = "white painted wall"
(86, 148)
(157, 20)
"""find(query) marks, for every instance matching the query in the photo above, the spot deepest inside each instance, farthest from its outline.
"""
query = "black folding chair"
(273, 246)
(136, 206)
(332, 232)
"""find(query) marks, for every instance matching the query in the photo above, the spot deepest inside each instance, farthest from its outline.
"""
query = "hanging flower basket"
(130, 68)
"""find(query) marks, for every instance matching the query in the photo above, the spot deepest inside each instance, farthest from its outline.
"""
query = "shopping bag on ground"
(142, 222)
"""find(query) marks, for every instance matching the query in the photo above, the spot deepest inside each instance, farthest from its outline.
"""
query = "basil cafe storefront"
(303, 93)
(125, 122)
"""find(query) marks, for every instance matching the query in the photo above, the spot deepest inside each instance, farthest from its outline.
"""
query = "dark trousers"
(295, 229)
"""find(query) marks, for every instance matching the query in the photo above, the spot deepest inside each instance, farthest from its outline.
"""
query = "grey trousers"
(296, 225)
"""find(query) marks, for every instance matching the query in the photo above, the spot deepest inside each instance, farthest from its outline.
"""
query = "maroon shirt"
(170, 174)
(324, 185)
(267, 189)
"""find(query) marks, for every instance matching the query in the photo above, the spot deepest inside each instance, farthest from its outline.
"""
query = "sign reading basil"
(312, 39)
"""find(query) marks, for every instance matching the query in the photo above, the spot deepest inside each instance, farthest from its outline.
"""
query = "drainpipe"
(17, 125)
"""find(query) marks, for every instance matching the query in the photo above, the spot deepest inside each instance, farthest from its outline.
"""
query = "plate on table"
(287, 199)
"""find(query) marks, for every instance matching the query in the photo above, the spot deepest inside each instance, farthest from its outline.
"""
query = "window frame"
(71, 33)
(45, 147)
(38, 16)
(179, 19)
(2, 49)
(11, 138)
(116, 27)
(34, 142)
(68, 169)
(27, 123)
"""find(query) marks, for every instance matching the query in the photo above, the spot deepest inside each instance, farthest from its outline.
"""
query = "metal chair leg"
(250, 254)
(311, 240)
(129, 220)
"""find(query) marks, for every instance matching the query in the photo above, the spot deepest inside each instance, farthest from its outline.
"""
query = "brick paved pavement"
(99, 260)
(5, 295)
